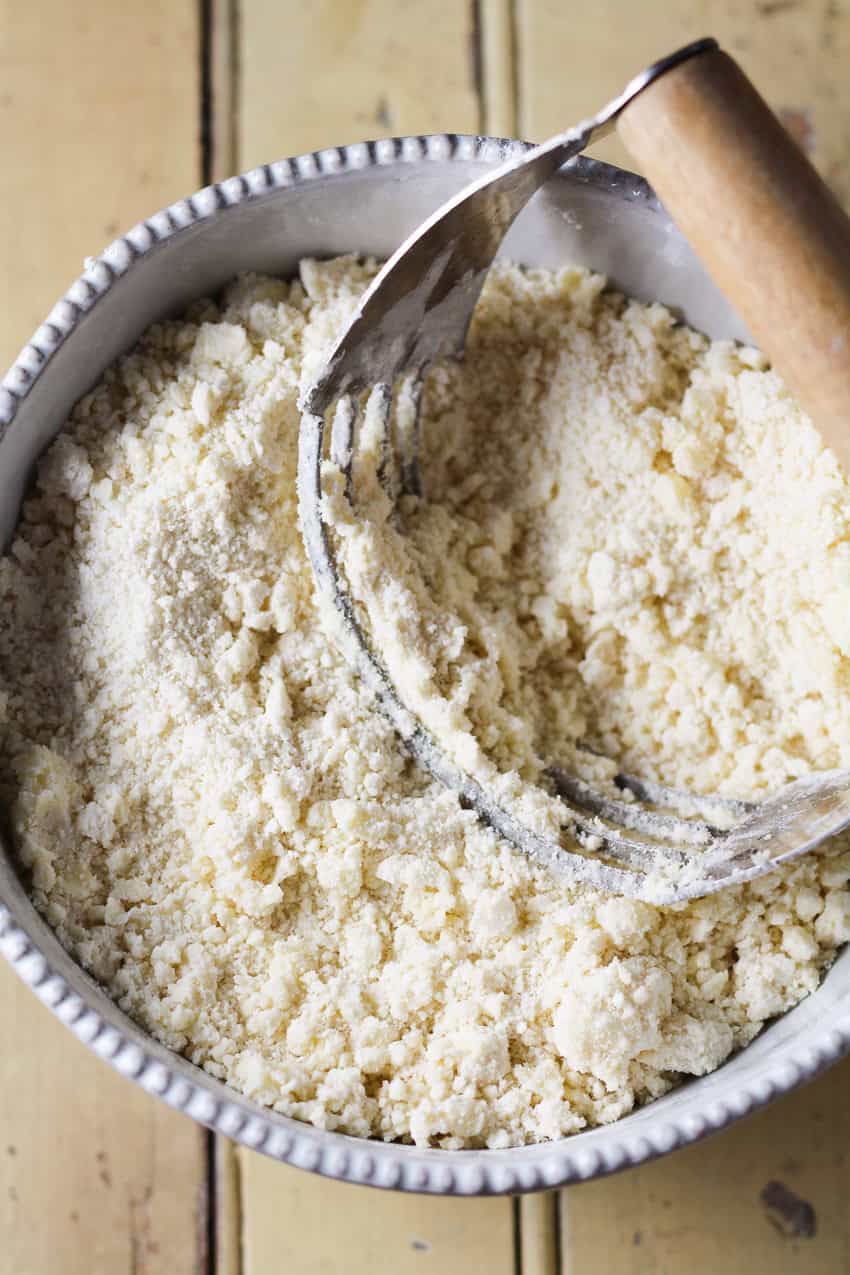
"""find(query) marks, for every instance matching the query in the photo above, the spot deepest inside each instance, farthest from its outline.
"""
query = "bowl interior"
(590, 214)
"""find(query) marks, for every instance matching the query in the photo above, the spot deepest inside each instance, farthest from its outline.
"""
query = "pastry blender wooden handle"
(770, 233)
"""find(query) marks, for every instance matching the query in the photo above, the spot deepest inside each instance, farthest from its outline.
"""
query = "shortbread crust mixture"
(632, 538)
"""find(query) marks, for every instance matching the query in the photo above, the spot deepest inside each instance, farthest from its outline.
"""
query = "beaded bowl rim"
(77, 1000)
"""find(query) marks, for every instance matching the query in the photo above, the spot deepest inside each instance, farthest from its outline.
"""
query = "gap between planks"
(496, 34)
(220, 88)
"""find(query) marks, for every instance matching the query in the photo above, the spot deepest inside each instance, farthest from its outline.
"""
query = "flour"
(633, 539)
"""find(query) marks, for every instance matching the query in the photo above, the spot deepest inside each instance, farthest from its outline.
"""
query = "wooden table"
(107, 111)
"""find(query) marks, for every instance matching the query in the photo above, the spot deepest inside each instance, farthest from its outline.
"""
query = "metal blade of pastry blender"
(419, 306)
(418, 310)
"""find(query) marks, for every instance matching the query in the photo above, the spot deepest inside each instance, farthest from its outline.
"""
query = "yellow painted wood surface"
(700, 1211)
(98, 126)
(312, 76)
(100, 1178)
(711, 1209)
(95, 1177)
(334, 71)
(572, 57)
(295, 1222)
(541, 65)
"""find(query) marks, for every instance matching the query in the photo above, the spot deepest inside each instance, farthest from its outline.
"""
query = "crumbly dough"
(633, 537)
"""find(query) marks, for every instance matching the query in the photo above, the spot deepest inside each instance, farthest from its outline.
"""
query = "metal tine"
(376, 419)
(395, 417)
(660, 795)
(634, 854)
(417, 311)
(666, 827)
(407, 420)
(343, 439)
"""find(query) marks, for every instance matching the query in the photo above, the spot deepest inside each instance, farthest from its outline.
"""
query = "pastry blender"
(778, 244)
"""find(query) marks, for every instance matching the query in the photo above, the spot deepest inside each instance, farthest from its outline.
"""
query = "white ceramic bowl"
(366, 198)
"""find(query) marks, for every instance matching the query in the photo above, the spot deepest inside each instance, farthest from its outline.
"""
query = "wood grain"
(700, 1211)
(334, 71)
(98, 125)
(96, 1177)
(312, 76)
(99, 121)
(539, 1237)
(572, 58)
(543, 64)
(296, 1222)
(707, 1209)
(99, 107)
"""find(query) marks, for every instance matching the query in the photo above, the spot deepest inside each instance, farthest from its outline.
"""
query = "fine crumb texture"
(633, 539)
(634, 543)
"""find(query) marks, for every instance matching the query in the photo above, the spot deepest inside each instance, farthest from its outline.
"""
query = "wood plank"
(312, 76)
(701, 1210)
(110, 139)
(768, 1195)
(572, 58)
(296, 1222)
(297, 109)
(98, 124)
(334, 71)
(539, 1240)
(91, 1167)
